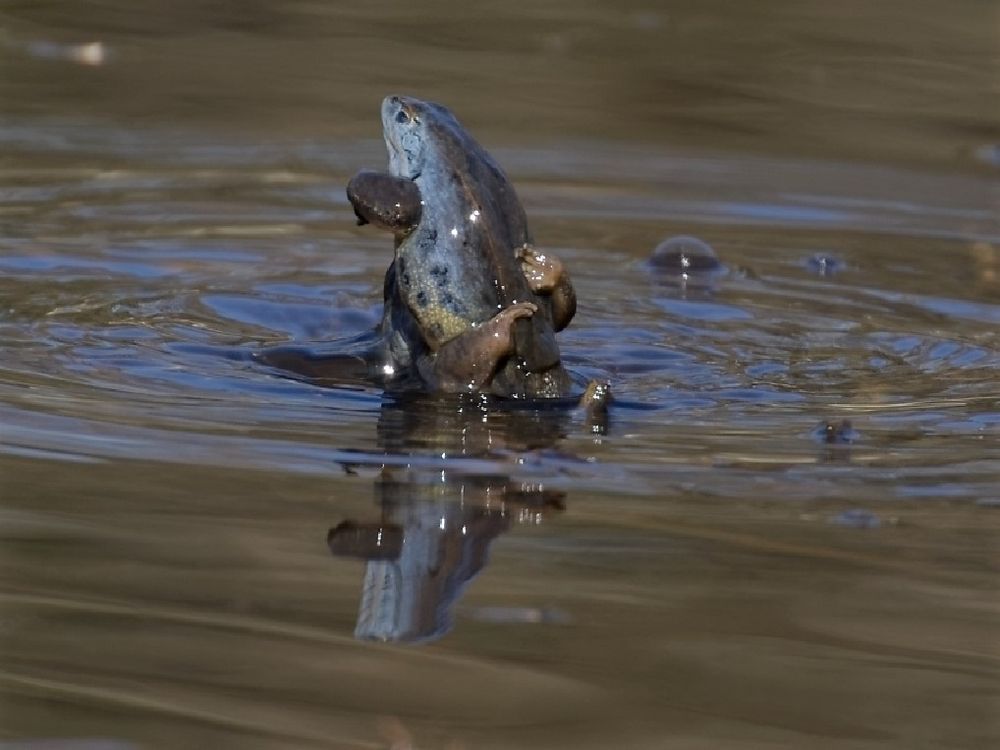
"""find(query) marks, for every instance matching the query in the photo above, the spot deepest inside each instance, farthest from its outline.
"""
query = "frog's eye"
(402, 117)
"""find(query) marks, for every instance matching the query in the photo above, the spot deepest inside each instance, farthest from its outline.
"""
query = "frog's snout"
(389, 106)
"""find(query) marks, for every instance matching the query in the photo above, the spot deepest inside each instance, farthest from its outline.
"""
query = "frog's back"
(475, 216)
(472, 229)
(460, 266)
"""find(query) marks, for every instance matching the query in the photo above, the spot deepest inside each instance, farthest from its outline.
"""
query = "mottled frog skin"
(470, 305)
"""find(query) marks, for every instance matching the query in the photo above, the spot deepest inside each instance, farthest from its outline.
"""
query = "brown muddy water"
(200, 553)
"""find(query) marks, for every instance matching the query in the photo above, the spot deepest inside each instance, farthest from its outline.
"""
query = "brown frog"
(470, 305)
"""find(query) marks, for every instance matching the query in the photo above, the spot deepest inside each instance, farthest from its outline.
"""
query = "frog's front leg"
(384, 201)
(468, 361)
(547, 276)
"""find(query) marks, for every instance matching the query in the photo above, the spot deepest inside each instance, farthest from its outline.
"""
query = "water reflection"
(434, 526)
(422, 552)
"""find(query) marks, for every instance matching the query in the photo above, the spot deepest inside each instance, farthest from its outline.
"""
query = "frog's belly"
(446, 296)
(441, 325)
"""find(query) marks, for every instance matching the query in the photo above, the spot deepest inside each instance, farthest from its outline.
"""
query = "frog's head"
(416, 134)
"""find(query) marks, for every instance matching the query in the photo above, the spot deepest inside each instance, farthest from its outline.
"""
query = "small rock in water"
(91, 53)
(857, 519)
(833, 433)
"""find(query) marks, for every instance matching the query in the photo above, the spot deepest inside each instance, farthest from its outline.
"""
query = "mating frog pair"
(470, 304)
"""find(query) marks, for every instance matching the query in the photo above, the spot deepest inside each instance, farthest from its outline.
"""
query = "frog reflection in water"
(429, 544)
(438, 518)
(470, 305)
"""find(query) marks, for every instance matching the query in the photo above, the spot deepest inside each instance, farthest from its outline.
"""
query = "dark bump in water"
(684, 255)
(837, 433)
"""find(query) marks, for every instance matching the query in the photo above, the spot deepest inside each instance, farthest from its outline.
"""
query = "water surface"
(199, 551)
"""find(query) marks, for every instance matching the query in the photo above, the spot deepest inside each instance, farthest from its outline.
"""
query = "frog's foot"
(547, 275)
(468, 361)
(594, 404)
(543, 271)
(384, 201)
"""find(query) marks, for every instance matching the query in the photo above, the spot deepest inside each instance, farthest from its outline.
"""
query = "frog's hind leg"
(301, 363)
(468, 361)
(547, 276)
(384, 201)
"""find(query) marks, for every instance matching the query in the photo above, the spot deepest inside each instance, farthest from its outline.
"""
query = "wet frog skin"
(469, 303)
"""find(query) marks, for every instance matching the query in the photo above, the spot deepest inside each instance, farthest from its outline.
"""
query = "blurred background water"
(199, 552)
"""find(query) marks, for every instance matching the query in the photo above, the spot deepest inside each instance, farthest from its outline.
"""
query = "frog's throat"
(404, 154)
